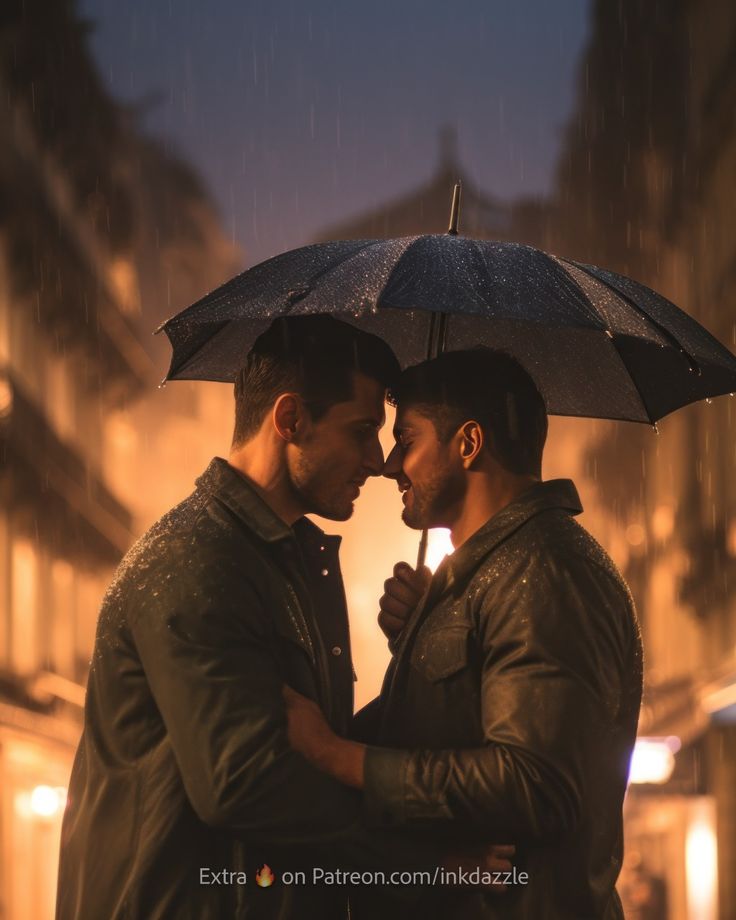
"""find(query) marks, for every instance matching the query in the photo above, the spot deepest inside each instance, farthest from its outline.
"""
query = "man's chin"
(343, 513)
(408, 518)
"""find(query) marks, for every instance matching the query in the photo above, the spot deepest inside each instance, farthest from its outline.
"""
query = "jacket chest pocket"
(441, 652)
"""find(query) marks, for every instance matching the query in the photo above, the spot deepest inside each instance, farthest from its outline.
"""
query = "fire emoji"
(265, 877)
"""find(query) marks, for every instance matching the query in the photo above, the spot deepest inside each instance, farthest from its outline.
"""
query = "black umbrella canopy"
(598, 344)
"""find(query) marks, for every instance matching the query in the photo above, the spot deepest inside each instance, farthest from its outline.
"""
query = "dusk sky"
(299, 115)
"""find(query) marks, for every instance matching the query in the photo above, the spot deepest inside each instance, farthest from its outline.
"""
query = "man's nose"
(392, 466)
(374, 458)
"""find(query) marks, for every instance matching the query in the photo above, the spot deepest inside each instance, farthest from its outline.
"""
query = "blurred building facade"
(95, 220)
(103, 233)
(426, 209)
(646, 186)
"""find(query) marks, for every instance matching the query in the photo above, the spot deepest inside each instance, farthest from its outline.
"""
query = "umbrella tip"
(455, 208)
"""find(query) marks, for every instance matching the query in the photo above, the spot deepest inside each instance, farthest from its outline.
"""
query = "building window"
(24, 649)
(63, 632)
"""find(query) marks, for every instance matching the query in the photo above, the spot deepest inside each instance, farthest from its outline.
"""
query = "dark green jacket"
(512, 701)
(184, 763)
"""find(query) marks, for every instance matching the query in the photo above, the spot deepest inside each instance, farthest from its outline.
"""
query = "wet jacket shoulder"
(513, 697)
(184, 761)
(211, 619)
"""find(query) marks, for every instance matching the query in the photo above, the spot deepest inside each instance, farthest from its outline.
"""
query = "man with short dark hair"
(510, 707)
(184, 782)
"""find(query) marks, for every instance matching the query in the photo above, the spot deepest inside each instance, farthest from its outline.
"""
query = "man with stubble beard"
(184, 783)
(510, 706)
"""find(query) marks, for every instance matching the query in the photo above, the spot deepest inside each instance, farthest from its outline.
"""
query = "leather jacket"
(184, 763)
(511, 706)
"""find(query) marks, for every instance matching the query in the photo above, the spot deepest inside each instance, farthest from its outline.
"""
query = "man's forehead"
(369, 391)
(360, 409)
(409, 417)
(367, 400)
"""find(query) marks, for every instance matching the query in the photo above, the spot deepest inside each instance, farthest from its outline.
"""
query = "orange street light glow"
(653, 759)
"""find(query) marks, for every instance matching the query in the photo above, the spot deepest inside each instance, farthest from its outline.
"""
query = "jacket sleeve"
(553, 644)
(210, 658)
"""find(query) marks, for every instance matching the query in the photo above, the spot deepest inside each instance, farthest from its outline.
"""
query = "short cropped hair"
(488, 386)
(314, 356)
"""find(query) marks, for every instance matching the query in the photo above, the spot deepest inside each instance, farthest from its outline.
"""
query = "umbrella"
(596, 343)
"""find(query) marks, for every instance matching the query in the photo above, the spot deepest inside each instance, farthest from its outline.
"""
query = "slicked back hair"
(314, 356)
(488, 386)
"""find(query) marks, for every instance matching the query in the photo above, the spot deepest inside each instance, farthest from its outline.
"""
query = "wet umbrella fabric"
(597, 343)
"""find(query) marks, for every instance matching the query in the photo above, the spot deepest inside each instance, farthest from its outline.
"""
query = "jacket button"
(325, 572)
(336, 650)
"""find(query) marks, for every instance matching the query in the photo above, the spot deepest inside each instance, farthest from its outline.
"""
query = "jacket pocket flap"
(441, 652)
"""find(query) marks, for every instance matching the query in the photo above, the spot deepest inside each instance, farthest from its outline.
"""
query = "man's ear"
(471, 443)
(288, 415)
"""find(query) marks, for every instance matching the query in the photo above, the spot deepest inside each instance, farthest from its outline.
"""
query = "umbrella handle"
(438, 338)
(422, 551)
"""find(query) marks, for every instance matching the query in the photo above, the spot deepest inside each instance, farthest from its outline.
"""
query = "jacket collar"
(307, 531)
(237, 492)
(554, 493)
